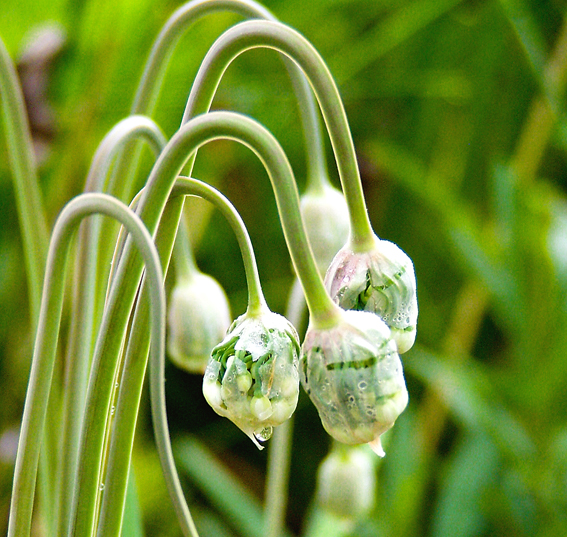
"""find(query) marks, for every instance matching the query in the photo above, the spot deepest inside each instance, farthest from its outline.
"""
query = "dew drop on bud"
(263, 435)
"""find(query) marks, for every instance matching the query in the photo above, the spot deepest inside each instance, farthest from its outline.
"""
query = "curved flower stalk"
(87, 302)
(35, 409)
(162, 49)
(252, 34)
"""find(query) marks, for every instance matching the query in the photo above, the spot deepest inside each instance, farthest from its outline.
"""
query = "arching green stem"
(131, 386)
(199, 131)
(267, 34)
(35, 409)
(31, 212)
(188, 186)
(179, 23)
(183, 257)
(85, 303)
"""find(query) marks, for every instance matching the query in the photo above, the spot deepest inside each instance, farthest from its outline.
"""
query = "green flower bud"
(354, 377)
(251, 377)
(381, 281)
(346, 482)
(198, 317)
(326, 218)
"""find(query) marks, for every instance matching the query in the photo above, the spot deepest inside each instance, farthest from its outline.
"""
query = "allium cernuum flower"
(252, 376)
(346, 482)
(381, 281)
(198, 317)
(326, 218)
(353, 375)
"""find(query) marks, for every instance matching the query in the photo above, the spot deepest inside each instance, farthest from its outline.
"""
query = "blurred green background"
(457, 111)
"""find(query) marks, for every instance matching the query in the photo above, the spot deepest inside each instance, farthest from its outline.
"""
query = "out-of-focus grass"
(438, 95)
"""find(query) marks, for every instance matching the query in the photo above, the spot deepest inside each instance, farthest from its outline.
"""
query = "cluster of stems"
(84, 491)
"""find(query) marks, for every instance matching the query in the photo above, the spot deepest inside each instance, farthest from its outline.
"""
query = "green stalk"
(279, 450)
(85, 304)
(37, 398)
(187, 140)
(267, 34)
(154, 72)
(132, 383)
(183, 257)
(179, 23)
(33, 226)
(31, 213)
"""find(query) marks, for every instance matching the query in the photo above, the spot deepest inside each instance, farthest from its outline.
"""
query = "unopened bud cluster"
(251, 377)
(354, 377)
(381, 281)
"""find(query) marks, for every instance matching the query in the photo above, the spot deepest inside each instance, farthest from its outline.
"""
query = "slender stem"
(131, 386)
(33, 221)
(183, 257)
(188, 186)
(279, 450)
(83, 323)
(217, 125)
(35, 409)
(268, 34)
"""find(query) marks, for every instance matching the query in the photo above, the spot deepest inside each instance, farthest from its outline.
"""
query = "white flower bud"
(346, 482)
(381, 281)
(354, 377)
(326, 218)
(255, 368)
(198, 318)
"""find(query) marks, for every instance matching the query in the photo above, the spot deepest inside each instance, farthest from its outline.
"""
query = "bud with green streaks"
(353, 375)
(251, 377)
(381, 281)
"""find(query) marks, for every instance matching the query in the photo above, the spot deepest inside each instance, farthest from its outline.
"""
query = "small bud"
(199, 315)
(346, 482)
(381, 281)
(326, 218)
(251, 377)
(354, 377)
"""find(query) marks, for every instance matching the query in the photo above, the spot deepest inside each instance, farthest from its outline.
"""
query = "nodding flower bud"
(252, 377)
(326, 218)
(346, 482)
(198, 317)
(381, 281)
(353, 375)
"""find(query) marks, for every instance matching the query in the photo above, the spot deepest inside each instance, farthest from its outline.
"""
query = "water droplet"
(101, 487)
(264, 434)
(362, 385)
(112, 410)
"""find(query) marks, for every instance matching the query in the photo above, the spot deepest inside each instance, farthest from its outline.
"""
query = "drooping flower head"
(353, 375)
(381, 281)
(198, 317)
(251, 377)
